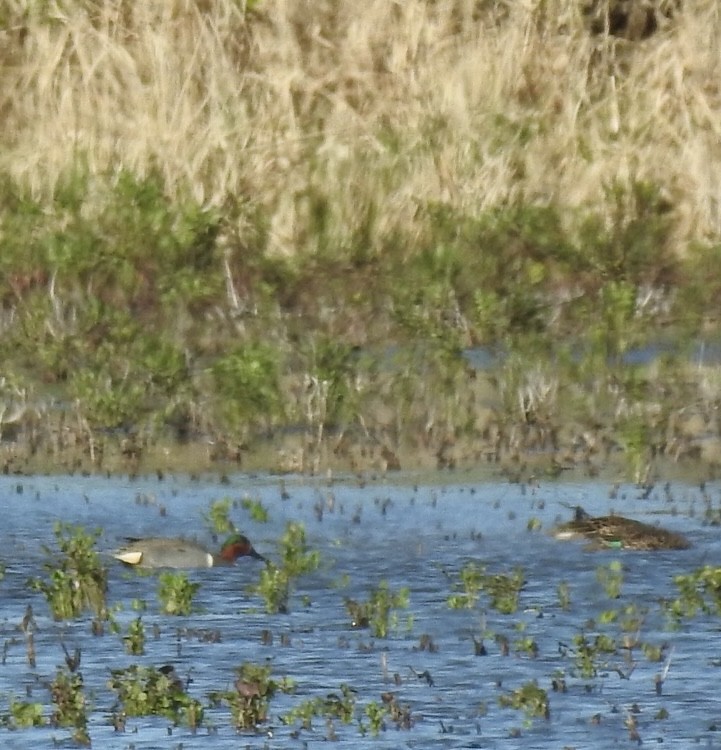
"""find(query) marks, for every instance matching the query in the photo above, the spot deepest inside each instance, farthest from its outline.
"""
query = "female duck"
(617, 532)
(162, 552)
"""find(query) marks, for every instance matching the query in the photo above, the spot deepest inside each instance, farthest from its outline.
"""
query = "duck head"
(237, 546)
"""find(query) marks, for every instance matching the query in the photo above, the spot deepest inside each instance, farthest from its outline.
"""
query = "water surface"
(411, 535)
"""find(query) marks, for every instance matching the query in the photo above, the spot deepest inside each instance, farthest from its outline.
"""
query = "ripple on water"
(415, 537)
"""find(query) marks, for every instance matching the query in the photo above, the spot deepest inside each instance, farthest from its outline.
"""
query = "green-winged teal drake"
(613, 531)
(163, 552)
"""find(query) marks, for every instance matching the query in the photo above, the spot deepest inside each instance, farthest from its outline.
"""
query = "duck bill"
(253, 553)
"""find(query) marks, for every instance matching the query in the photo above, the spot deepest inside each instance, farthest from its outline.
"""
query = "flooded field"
(587, 656)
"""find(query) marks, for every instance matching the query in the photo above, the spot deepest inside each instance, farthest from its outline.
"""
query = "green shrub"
(147, 691)
(176, 592)
(247, 385)
(76, 580)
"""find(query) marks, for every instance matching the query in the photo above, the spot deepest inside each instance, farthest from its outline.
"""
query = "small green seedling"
(590, 656)
(530, 699)
(275, 581)
(376, 714)
(256, 510)
(611, 578)
(699, 591)
(379, 612)
(502, 590)
(217, 519)
(23, 715)
(135, 638)
(176, 593)
(563, 591)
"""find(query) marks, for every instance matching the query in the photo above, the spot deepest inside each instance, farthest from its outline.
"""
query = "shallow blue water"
(414, 536)
(703, 352)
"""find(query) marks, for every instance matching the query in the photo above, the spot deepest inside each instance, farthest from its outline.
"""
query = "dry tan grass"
(365, 107)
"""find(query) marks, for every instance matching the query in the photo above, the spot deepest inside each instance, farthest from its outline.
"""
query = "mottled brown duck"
(618, 532)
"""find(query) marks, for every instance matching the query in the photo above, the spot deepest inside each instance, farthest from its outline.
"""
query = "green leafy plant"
(176, 592)
(109, 400)
(332, 706)
(23, 714)
(147, 691)
(632, 243)
(71, 709)
(246, 382)
(250, 700)
(699, 591)
(502, 590)
(563, 591)
(608, 616)
(469, 587)
(295, 555)
(376, 714)
(256, 510)
(590, 655)
(379, 612)
(135, 638)
(530, 699)
(274, 586)
(611, 578)
(217, 518)
(632, 617)
(527, 645)
(76, 579)
(388, 709)
(296, 560)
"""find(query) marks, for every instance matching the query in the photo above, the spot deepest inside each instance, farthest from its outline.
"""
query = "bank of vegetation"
(285, 233)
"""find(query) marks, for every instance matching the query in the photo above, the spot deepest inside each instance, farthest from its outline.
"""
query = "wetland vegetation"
(441, 612)
(313, 238)
(281, 237)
